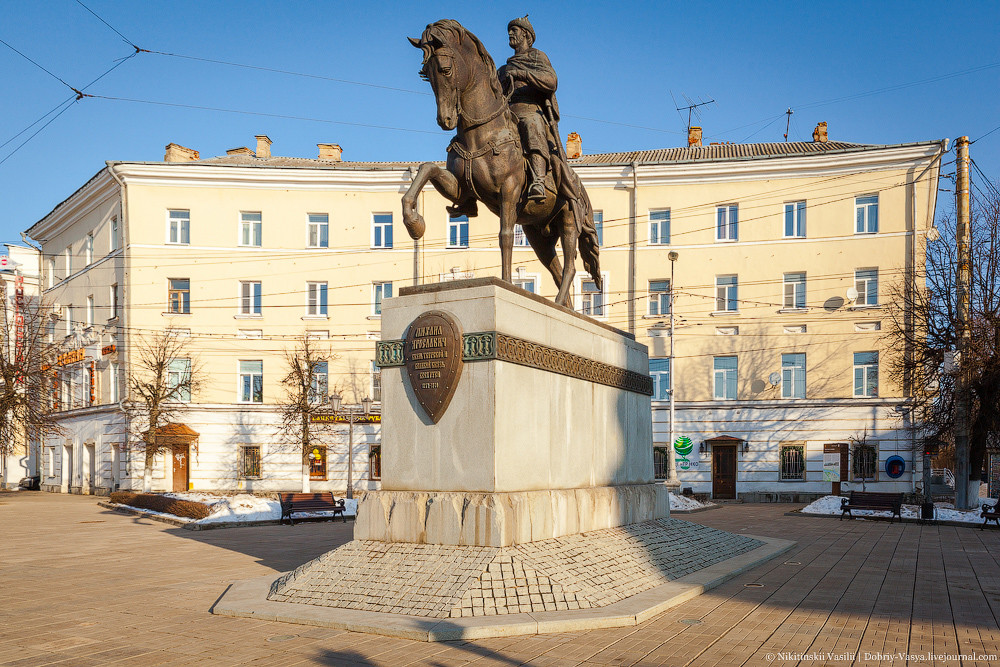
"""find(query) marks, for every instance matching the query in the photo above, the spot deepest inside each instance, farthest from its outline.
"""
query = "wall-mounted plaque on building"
(433, 358)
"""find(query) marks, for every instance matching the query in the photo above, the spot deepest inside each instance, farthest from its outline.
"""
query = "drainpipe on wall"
(632, 224)
(123, 349)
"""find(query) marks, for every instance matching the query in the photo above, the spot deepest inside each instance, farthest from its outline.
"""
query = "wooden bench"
(990, 513)
(868, 500)
(309, 502)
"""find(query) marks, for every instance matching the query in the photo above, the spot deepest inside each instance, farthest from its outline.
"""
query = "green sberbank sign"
(683, 445)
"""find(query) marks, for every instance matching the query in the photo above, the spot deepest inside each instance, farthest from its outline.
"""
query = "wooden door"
(724, 472)
(180, 467)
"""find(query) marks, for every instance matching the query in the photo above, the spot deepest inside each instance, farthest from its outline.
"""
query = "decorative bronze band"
(488, 345)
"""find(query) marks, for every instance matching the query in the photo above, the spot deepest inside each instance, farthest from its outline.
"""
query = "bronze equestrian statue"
(507, 152)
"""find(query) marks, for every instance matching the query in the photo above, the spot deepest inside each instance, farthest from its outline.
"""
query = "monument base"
(504, 519)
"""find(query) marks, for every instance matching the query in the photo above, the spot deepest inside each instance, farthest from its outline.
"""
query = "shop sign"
(71, 357)
(108, 349)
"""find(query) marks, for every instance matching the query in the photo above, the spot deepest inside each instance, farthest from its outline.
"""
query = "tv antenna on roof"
(692, 108)
(788, 122)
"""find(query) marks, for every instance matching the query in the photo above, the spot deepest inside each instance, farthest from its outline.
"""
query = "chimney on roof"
(242, 150)
(330, 152)
(694, 136)
(574, 146)
(263, 145)
(178, 153)
(819, 134)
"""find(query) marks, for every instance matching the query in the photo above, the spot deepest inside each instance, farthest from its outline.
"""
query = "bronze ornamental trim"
(492, 345)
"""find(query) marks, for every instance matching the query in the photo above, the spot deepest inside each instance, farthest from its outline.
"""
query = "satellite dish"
(852, 294)
(774, 379)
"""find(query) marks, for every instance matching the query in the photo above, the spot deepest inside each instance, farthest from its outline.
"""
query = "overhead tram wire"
(985, 179)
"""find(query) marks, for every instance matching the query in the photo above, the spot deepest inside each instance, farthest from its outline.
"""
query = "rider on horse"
(531, 82)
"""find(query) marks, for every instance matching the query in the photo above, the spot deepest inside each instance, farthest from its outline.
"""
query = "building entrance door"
(724, 472)
(181, 454)
(89, 467)
(67, 468)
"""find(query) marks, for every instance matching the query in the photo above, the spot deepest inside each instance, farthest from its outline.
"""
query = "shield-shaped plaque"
(433, 356)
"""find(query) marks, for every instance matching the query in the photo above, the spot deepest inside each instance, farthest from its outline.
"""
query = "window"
(113, 378)
(68, 314)
(660, 462)
(380, 291)
(527, 284)
(725, 377)
(376, 374)
(316, 305)
(114, 233)
(52, 271)
(318, 388)
(458, 232)
(114, 301)
(727, 223)
(864, 464)
(795, 290)
(659, 297)
(793, 462)
(793, 375)
(249, 462)
(866, 282)
(90, 311)
(251, 382)
(250, 228)
(519, 238)
(866, 214)
(317, 463)
(89, 248)
(599, 226)
(69, 261)
(866, 373)
(726, 288)
(179, 380)
(795, 220)
(659, 370)
(178, 295)
(375, 461)
(382, 230)
(319, 230)
(591, 299)
(180, 227)
(659, 227)
(250, 297)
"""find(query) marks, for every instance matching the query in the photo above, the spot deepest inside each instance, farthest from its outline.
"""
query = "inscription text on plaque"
(432, 354)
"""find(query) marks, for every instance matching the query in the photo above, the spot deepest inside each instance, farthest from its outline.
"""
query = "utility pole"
(672, 481)
(962, 284)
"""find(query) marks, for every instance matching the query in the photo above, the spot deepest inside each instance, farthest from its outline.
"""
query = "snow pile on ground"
(942, 511)
(246, 508)
(685, 503)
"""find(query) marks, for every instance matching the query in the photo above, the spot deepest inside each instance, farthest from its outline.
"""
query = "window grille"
(793, 462)
(249, 463)
(864, 463)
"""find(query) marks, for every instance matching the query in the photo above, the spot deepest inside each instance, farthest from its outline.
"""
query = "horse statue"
(486, 162)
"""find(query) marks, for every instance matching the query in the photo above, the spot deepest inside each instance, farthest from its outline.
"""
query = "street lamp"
(672, 480)
(335, 403)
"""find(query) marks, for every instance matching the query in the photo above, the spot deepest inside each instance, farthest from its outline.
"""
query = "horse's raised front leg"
(442, 180)
(568, 239)
(509, 192)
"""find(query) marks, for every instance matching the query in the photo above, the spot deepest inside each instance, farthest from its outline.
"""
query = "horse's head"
(447, 65)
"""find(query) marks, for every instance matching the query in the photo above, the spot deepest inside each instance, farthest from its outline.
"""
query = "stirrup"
(536, 191)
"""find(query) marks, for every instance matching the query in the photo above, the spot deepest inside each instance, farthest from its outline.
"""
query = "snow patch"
(830, 505)
(686, 503)
(243, 508)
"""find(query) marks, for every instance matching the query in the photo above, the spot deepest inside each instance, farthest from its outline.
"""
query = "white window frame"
(88, 248)
(599, 227)
(69, 319)
(69, 261)
(113, 298)
(656, 235)
(114, 234)
(378, 295)
(320, 386)
(580, 301)
(321, 225)
(723, 374)
(317, 298)
(726, 293)
(177, 370)
(661, 379)
(797, 209)
(520, 239)
(241, 375)
(655, 306)
(455, 229)
(52, 272)
(864, 221)
(794, 290)
(251, 304)
(524, 278)
(252, 229)
(727, 230)
(376, 382)
(90, 311)
(863, 285)
(381, 240)
(181, 234)
(867, 387)
(793, 375)
(113, 373)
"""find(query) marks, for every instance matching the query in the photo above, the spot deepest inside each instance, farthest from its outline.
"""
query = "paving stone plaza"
(82, 585)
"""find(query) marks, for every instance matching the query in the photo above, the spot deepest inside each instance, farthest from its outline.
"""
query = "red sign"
(108, 349)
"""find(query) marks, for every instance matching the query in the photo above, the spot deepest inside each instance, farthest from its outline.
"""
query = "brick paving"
(584, 571)
(80, 585)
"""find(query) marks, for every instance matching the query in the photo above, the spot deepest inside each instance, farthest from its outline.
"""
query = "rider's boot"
(536, 191)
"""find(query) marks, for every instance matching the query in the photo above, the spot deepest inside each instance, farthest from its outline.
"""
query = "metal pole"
(350, 452)
(962, 285)
(671, 456)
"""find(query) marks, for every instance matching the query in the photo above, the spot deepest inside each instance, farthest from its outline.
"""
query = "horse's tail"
(588, 243)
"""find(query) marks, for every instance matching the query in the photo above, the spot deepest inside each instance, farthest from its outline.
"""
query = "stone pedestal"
(548, 432)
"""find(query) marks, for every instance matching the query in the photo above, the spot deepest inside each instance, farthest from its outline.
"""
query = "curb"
(713, 506)
(191, 525)
(923, 522)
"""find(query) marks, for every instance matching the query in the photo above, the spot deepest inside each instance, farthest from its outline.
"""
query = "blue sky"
(618, 65)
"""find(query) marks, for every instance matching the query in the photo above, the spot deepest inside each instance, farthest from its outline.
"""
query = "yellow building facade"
(786, 258)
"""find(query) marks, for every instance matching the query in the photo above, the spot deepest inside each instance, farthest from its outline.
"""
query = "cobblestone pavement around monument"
(582, 571)
(82, 585)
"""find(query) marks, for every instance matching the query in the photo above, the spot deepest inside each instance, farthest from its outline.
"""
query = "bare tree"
(162, 376)
(26, 381)
(306, 387)
(923, 330)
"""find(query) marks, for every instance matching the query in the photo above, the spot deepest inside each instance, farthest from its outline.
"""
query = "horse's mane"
(447, 30)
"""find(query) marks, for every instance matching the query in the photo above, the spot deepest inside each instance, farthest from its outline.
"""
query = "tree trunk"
(305, 478)
(305, 453)
(147, 473)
